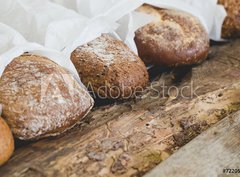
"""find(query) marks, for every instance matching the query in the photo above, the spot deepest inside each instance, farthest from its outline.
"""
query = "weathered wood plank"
(208, 155)
(133, 137)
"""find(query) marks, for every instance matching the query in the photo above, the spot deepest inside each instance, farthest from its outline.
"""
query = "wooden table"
(131, 138)
(214, 153)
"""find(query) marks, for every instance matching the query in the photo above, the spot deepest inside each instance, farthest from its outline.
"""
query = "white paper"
(111, 9)
(122, 12)
(13, 45)
(93, 29)
(32, 17)
(128, 26)
(52, 25)
(119, 11)
(62, 29)
(208, 12)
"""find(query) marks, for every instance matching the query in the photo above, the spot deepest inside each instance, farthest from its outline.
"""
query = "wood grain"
(131, 138)
(207, 155)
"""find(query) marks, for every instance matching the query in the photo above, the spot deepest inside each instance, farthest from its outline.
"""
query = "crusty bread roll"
(174, 38)
(231, 25)
(6, 142)
(110, 68)
(40, 98)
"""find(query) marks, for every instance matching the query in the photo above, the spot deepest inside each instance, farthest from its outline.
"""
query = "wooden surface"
(208, 155)
(131, 138)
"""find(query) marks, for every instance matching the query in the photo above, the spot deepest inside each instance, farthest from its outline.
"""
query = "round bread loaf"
(110, 68)
(40, 98)
(174, 38)
(6, 142)
(231, 25)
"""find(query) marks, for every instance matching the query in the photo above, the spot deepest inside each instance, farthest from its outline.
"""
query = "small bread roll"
(6, 142)
(231, 25)
(40, 98)
(174, 38)
(110, 68)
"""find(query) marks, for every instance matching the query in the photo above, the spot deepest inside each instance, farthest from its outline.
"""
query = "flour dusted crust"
(6, 142)
(231, 25)
(110, 68)
(174, 38)
(40, 98)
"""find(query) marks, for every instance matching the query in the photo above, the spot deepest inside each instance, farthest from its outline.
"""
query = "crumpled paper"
(129, 24)
(51, 24)
(111, 9)
(208, 12)
(56, 27)
(13, 44)
(122, 12)
(119, 11)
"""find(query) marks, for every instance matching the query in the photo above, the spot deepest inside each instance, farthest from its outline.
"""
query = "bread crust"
(110, 68)
(40, 98)
(6, 142)
(231, 25)
(174, 38)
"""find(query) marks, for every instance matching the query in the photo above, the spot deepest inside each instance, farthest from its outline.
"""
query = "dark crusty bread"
(6, 142)
(231, 25)
(110, 68)
(40, 98)
(174, 38)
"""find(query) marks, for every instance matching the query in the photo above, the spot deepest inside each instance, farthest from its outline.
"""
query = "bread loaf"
(231, 25)
(174, 38)
(6, 142)
(110, 68)
(40, 98)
